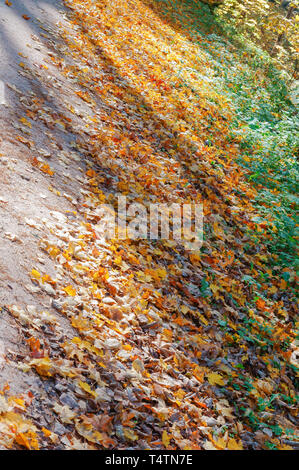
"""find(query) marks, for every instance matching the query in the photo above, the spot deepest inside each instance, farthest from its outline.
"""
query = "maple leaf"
(86, 387)
(28, 440)
(215, 379)
(165, 439)
(232, 444)
(43, 366)
(70, 290)
(65, 413)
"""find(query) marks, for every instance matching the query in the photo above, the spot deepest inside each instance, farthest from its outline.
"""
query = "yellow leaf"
(27, 439)
(26, 122)
(130, 434)
(202, 319)
(161, 272)
(46, 432)
(165, 439)
(234, 445)
(87, 388)
(184, 309)
(70, 290)
(46, 169)
(35, 274)
(43, 366)
(220, 444)
(215, 379)
(285, 447)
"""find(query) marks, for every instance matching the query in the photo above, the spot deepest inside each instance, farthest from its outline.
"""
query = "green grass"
(266, 122)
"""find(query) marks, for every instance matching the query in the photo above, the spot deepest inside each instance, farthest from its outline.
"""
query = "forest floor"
(136, 344)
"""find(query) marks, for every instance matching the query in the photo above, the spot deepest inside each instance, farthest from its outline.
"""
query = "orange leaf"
(70, 290)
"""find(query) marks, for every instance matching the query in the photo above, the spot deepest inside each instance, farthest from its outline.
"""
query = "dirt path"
(27, 194)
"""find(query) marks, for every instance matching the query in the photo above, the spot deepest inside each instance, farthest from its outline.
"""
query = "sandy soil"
(27, 195)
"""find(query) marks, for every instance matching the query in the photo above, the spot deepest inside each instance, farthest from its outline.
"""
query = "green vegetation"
(265, 119)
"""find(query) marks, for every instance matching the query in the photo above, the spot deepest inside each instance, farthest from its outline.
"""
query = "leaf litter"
(172, 349)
